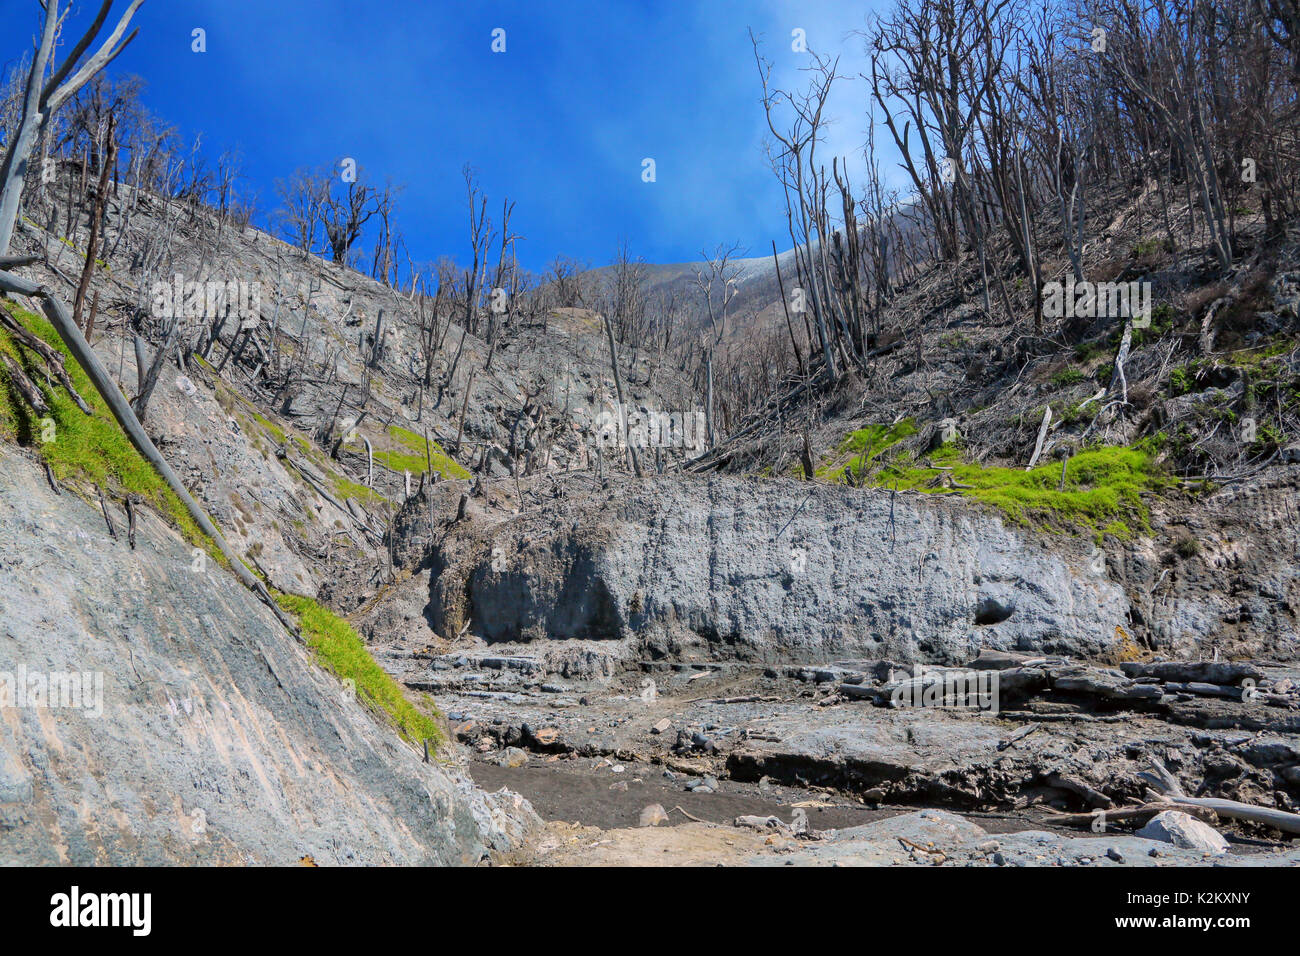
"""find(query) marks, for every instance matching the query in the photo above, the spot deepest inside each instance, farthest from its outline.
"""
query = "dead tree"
(793, 160)
(302, 204)
(618, 385)
(44, 96)
(345, 216)
(96, 221)
(718, 270)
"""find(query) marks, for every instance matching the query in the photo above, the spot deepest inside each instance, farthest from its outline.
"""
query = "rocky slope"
(209, 736)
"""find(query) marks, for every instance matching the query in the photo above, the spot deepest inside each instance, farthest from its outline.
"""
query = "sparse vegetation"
(417, 460)
(341, 651)
(1103, 487)
(347, 488)
(84, 448)
(863, 446)
(1067, 377)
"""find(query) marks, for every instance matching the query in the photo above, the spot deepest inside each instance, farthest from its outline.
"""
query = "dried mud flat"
(735, 755)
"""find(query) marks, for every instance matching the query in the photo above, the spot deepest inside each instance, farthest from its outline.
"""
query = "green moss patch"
(346, 488)
(861, 446)
(81, 447)
(1102, 491)
(412, 454)
(341, 651)
(271, 428)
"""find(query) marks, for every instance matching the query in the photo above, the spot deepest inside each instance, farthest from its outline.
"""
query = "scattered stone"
(653, 816)
(513, 757)
(546, 736)
(661, 726)
(1182, 830)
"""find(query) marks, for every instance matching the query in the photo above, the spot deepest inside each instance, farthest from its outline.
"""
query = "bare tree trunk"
(96, 220)
(618, 385)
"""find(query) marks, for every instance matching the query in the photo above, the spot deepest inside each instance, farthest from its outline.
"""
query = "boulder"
(1184, 831)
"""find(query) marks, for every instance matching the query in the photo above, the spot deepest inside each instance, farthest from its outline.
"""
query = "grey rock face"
(775, 571)
(207, 736)
(1243, 533)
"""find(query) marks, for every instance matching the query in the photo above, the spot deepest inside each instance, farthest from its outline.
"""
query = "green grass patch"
(1149, 247)
(1181, 380)
(1067, 377)
(1162, 322)
(1256, 357)
(862, 446)
(270, 427)
(347, 488)
(417, 460)
(340, 650)
(1102, 492)
(81, 447)
(1085, 352)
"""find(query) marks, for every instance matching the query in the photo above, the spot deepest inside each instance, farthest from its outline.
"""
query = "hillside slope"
(212, 737)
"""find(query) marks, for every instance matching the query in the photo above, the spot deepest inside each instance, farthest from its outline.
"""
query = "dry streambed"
(816, 761)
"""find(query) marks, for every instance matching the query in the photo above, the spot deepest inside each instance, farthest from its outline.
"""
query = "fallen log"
(1042, 435)
(26, 389)
(130, 518)
(991, 660)
(1206, 672)
(1106, 687)
(58, 315)
(318, 485)
(1137, 814)
(49, 476)
(1017, 736)
(862, 692)
(103, 506)
(762, 823)
(1169, 789)
(53, 359)
(1201, 689)
(1235, 810)
(1079, 788)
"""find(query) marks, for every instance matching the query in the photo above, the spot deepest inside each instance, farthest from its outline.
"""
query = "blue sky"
(560, 122)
